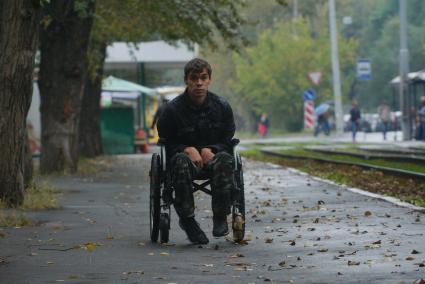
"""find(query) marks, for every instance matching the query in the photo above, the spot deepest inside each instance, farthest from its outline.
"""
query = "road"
(300, 230)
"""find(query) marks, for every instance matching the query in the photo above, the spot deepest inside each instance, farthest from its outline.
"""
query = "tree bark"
(63, 69)
(28, 165)
(90, 133)
(19, 20)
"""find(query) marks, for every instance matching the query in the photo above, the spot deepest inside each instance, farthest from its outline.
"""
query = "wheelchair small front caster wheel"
(238, 226)
(164, 227)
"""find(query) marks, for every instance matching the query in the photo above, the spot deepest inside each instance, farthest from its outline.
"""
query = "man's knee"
(223, 162)
(180, 161)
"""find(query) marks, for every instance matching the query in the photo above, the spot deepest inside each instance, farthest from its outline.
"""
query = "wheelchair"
(161, 196)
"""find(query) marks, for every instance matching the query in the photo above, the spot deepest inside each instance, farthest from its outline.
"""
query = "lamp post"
(335, 70)
(404, 70)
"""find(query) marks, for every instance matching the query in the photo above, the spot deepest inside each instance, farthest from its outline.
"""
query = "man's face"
(197, 84)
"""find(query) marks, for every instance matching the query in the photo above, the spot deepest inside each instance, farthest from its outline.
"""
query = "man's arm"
(167, 129)
(228, 132)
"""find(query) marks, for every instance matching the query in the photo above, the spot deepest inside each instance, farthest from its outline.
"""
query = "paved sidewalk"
(301, 230)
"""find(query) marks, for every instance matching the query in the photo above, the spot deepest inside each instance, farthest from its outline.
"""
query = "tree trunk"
(90, 134)
(19, 20)
(63, 69)
(28, 165)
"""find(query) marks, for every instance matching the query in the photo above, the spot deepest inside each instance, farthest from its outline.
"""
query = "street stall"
(127, 112)
(416, 89)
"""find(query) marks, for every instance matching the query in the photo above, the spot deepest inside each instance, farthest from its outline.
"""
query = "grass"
(409, 166)
(406, 189)
(37, 197)
(40, 197)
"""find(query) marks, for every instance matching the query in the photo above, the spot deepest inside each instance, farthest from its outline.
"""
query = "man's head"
(354, 103)
(197, 76)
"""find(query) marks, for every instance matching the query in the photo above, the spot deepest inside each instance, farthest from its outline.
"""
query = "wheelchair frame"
(161, 196)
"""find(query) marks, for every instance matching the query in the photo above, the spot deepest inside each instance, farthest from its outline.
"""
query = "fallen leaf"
(109, 237)
(351, 262)
(164, 253)
(367, 213)
(410, 258)
(91, 246)
(268, 240)
(237, 255)
(323, 250)
(415, 252)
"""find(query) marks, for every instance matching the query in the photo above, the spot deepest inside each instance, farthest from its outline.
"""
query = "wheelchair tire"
(155, 197)
(238, 208)
(164, 228)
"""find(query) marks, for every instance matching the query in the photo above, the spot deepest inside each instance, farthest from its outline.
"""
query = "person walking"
(384, 112)
(355, 117)
(263, 125)
(421, 114)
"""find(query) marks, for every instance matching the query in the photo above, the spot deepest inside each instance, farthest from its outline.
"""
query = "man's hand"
(194, 156)
(207, 155)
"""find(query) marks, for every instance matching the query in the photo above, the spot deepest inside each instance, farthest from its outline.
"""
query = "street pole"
(335, 70)
(404, 70)
(295, 9)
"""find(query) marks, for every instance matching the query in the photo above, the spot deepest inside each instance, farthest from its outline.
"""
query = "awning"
(116, 85)
(413, 77)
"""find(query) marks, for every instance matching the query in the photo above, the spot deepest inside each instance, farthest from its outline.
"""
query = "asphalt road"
(300, 230)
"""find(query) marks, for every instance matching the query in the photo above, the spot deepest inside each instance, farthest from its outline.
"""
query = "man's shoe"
(193, 231)
(220, 227)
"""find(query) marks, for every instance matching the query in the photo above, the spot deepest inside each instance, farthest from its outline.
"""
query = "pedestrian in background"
(421, 119)
(322, 124)
(263, 125)
(384, 112)
(355, 117)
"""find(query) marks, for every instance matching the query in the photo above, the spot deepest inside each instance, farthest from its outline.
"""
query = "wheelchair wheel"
(155, 197)
(164, 227)
(238, 208)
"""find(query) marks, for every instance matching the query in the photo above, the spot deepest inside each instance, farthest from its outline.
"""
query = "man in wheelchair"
(198, 128)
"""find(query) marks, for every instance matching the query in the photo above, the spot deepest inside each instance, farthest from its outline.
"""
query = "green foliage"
(202, 22)
(272, 74)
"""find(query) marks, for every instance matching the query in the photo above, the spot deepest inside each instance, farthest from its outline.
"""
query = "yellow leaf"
(90, 246)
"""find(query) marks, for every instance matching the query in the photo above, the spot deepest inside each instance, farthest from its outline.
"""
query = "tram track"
(409, 158)
(388, 170)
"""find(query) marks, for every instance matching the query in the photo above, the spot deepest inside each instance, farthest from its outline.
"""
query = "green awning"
(113, 84)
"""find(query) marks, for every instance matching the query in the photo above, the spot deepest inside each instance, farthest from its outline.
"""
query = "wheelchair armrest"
(161, 142)
(234, 142)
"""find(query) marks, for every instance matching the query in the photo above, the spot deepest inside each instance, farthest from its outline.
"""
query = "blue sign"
(364, 69)
(309, 95)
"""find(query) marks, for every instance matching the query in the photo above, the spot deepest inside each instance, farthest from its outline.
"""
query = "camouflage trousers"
(220, 172)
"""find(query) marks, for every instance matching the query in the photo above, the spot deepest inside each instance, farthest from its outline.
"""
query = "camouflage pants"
(220, 171)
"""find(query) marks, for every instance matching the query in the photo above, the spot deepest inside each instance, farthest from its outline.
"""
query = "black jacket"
(183, 124)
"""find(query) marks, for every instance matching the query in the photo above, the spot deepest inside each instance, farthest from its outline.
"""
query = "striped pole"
(308, 114)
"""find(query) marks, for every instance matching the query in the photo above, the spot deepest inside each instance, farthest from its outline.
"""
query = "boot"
(193, 231)
(220, 227)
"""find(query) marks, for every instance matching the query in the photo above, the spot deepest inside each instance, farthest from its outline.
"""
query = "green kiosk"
(126, 109)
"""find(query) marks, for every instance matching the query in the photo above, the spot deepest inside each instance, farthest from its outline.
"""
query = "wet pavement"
(300, 230)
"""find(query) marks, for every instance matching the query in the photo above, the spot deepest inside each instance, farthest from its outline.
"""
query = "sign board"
(309, 95)
(364, 69)
(315, 77)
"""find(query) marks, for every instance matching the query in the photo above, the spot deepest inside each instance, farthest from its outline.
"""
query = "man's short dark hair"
(196, 65)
